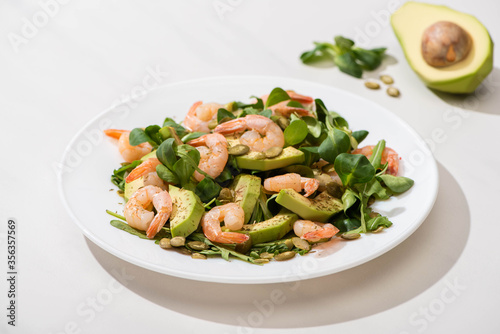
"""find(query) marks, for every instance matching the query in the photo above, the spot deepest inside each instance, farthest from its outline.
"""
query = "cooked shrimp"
(262, 135)
(232, 215)
(200, 115)
(128, 152)
(388, 155)
(313, 231)
(139, 217)
(213, 154)
(283, 109)
(148, 166)
(291, 181)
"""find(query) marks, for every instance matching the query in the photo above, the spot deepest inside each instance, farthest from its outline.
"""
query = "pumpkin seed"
(260, 156)
(334, 189)
(328, 168)
(285, 256)
(387, 79)
(198, 245)
(273, 152)
(301, 243)
(289, 244)
(225, 119)
(261, 261)
(178, 241)
(212, 124)
(350, 236)
(266, 255)
(226, 195)
(393, 91)
(165, 243)
(379, 229)
(283, 122)
(239, 149)
(199, 256)
(372, 85)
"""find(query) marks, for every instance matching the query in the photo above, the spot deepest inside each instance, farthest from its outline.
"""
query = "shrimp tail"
(233, 126)
(300, 98)
(309, 185)
(144, 168)
(327, 231)
(231, 238)
(157, 223)
(201, 141)
(287, 111)
(115, 133)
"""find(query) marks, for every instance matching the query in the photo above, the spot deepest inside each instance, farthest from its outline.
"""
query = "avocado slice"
(186, 211)
(271, 229)
(133, 186)
(412, 20)
(246, 192)
(289, 156)
(318, 209)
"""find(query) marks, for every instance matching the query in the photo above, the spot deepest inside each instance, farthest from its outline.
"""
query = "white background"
(88, 55)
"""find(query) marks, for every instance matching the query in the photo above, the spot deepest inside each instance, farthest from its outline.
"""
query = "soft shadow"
(378, 285)
(375, 74)
(485, 99)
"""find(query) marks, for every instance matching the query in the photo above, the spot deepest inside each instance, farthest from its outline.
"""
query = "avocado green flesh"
(289, 156)
(186, 211)
(318, 209)
(246, 192)
(132, 187)
(271, 229)
(409, 23)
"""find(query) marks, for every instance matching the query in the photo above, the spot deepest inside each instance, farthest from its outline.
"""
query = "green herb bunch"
(348, 58)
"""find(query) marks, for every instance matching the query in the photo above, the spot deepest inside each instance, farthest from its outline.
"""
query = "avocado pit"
(445, 43)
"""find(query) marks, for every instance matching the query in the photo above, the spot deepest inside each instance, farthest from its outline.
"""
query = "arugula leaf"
(319, 53)
(347, 63)
(353, 168)
(192, 135)
(360, 135)
(398, 184)
(207, 189)
(257, 105)
(296, 132)
(164, 232)
(118, 176)
(368, 59)
(343, 43)
(277, 95)
(266, 113)
(220, 250)
(348, 58)
(349, 198)
(313, 125)
(376, 157)
(166, 153)
(375, 222)
(152, 132)
(336, 143)
(138, 136)
(166, 175)
(347, 224)
(223, 113)
(179, 129)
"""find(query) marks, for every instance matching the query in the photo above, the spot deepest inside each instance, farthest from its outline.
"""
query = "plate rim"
(237, 280)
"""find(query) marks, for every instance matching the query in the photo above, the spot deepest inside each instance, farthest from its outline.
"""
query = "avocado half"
(409, 23)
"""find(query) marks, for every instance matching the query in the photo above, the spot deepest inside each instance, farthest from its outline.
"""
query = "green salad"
(258, 181)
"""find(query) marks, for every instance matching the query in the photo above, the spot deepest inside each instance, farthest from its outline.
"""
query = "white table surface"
(90, 54)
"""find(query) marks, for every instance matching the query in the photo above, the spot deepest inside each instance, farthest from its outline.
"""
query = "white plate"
(90, 158)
